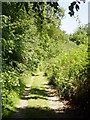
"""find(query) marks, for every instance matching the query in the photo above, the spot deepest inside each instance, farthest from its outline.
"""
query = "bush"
(68, 72)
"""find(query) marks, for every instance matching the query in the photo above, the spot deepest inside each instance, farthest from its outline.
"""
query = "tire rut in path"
(54, 101)
(61, 107)
(20, 113)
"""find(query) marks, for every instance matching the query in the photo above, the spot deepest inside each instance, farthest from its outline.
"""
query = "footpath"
(41, 101)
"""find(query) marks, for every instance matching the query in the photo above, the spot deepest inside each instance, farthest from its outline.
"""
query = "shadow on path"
(39, 91)
(45, 113)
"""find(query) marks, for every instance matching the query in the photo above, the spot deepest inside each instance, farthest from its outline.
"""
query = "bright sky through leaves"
(68, 23)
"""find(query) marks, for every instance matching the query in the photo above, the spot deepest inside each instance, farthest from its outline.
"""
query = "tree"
(36, 6)
(75, 4)
(80, 36)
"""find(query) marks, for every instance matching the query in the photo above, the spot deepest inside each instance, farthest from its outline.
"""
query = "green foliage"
(16, 56)
(12, 88)
(80, 36)
(68, 72)
(24, 46)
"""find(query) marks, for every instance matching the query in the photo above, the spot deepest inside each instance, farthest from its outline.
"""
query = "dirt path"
(54, 101)
(40, 100)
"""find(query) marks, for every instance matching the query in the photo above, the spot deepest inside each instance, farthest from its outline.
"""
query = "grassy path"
(40, 100)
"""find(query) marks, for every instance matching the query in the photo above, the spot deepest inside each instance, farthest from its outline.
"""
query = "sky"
(89, 10)
(68, 23)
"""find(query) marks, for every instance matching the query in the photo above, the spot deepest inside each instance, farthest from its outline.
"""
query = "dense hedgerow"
(19, 44)
(68, 72)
